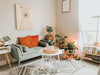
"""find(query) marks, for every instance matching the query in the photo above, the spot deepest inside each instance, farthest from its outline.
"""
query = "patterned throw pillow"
(34, 40)
(25, 41)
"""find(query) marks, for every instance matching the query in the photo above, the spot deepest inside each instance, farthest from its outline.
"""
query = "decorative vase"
(50, 47)
(7, 43)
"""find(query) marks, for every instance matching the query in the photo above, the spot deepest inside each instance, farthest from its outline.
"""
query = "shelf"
(90, 59)
(88, 53)
(91, 54)
(96, 55)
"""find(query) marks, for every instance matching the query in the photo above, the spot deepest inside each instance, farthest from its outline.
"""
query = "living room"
(58, 23)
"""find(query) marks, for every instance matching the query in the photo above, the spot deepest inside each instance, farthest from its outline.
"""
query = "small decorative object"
(96, 44)
(60, 41)
(66, 5)
(98, 53)
(78, 57)
(24, 17)
(6, 39)
(49, 29)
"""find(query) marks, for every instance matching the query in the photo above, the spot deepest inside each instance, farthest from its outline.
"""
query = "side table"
(5, 50)
(51, 56)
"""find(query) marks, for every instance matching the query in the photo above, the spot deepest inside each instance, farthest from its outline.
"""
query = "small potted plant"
(6, 40)
(70, 47)
(51, 44)
(49, 29)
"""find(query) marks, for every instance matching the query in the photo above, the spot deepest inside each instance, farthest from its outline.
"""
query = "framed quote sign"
(66, 6)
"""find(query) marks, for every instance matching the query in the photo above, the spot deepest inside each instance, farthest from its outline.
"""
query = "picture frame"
(66, 6)
(23, 17)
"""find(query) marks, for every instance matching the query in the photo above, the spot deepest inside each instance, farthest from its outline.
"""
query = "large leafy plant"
(70, 46)
(49, 29)
(60, 41)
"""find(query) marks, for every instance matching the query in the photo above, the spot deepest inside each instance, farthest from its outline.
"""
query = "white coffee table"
(51, 58)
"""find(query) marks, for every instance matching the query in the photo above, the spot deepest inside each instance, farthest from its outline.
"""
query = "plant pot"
(51, 47)
(49, 37)
(7, 43)
(70, 51)
(96, 44)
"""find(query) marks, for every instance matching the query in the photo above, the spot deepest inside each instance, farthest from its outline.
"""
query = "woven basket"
(45, 50)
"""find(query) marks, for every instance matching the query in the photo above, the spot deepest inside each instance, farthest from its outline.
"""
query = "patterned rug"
(67, 68)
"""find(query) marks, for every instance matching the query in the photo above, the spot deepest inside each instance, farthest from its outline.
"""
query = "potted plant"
(70, 47)
(49, 29)
(51, 44)
(6, 39)
(60, 41)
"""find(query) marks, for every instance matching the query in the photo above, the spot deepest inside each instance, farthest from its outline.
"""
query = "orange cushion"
(25, 41)
(34, 40)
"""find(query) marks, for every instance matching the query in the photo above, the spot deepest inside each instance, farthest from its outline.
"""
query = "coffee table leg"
(41, 61)
(59, 62)
(50, 59)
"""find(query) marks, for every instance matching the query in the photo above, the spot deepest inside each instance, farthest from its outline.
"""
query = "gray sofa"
(21, 53)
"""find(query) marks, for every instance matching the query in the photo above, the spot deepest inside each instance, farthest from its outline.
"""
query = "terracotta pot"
(49, 37)
(65, 52)
(64, 55)
(96, 43)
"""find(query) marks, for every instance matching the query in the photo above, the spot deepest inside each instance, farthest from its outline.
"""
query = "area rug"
(68, 67)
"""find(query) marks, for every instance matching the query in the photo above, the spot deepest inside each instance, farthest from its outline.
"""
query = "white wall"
(44, 14)
(67, 23)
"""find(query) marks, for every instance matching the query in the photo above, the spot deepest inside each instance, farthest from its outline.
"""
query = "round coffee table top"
(60, 52)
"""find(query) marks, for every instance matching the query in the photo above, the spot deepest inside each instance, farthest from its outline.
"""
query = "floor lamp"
(96, 43)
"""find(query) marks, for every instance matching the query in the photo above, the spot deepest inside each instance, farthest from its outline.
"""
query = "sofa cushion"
(34, 50)
(43, 43)
(34, 40)
(25, 41)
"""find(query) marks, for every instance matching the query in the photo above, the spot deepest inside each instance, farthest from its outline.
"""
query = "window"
(88, 9)
(93, 31)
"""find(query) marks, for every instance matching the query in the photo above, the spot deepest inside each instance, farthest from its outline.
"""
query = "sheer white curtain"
(83, 20)
(87, 9)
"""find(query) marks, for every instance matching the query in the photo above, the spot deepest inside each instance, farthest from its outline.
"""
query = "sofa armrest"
(21, 47)
(43, 43)
(15, 52)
